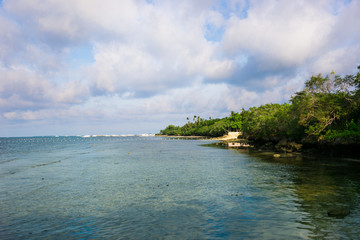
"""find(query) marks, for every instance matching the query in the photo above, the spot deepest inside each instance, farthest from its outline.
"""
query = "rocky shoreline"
(283, 148)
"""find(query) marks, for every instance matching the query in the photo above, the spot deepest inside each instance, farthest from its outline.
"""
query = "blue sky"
(119, 67)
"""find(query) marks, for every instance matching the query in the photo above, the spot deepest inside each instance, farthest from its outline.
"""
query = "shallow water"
(159, 188)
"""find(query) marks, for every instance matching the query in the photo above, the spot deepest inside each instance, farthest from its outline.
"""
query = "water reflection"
(327, 191)
(154, 188)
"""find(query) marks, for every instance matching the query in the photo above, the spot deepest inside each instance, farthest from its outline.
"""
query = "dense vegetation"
(199, 127)
(326, 110)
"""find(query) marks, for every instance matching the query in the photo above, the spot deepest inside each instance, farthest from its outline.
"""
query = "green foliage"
(199, 127)
(327, 104)
(171, 130)
(219, 128)
(328, 108)
(352, 131)
(269, 122)
(235, 121)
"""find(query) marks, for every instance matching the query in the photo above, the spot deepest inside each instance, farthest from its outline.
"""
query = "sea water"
(162, 188)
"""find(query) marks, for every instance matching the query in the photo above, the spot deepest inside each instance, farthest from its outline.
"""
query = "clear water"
(158, 188)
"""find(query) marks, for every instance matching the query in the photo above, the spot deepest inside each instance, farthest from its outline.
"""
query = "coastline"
(281, 149)
(226, 137)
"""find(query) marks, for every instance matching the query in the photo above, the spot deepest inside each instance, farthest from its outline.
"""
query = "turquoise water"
(158, 188)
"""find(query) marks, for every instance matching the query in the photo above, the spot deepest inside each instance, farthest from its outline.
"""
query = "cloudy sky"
(118, 67)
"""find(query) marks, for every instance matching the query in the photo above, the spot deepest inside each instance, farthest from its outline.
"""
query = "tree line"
(327, 109)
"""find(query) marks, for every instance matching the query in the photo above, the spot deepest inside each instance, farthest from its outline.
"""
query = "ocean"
(146, 187)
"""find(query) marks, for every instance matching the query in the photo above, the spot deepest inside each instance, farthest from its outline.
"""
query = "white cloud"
(67, 22)
(9, 39)
(22, 88)
(343, 51)
(166, 52)
(346, 30)
(282, 33)
(341, 60)
(27, 115)
(169, 58)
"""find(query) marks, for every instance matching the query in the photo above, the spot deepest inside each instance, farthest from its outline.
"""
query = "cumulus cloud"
(123, 68)
(343, 50)
(9, 36)
(282, 33)
(22, 88)
(278, 39)
(107, 61)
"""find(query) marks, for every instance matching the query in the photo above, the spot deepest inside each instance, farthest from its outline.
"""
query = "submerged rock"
(339, 212)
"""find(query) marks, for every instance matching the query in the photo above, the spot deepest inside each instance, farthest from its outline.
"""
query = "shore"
(282, 148)
(227, 137)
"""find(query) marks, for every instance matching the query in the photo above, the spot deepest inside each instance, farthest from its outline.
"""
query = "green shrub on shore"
(327, 109)
(200, 127)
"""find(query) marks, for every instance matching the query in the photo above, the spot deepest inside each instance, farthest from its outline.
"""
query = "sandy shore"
(229, 136)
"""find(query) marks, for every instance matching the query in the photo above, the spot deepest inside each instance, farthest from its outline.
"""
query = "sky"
(120, 67)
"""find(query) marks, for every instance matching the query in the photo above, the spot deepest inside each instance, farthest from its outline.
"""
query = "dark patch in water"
(45, 164)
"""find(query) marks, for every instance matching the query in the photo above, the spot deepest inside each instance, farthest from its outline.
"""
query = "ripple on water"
(154, 188)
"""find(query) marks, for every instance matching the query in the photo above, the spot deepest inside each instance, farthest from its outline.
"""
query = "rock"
(295, 146)
(339, 212)
(288, 147)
